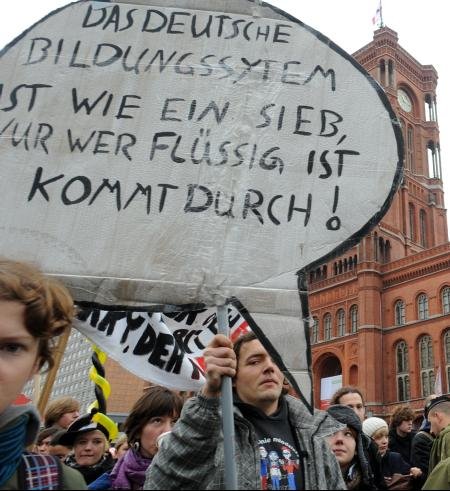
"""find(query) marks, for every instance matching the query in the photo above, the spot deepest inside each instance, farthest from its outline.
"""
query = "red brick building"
(382, 311)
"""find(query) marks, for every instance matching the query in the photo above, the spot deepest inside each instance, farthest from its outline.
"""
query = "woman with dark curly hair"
(151, 416)
(34, 311)
(401, 432)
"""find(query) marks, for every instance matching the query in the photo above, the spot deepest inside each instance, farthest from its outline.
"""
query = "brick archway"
(328, 365)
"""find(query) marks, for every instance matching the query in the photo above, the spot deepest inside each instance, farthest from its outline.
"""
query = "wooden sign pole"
(51, 376)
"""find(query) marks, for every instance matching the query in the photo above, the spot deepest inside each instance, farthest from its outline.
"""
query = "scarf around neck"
(91, 472)
(12, 443)
(129, 472)
(19, 426)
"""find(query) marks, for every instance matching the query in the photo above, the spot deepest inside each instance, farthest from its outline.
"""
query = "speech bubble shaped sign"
(188, 152)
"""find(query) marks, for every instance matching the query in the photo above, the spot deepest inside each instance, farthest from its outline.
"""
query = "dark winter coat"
(393, 463)
(401, 444)
(420, 454)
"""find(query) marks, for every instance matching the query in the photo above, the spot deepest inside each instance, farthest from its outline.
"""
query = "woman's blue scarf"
(12, 443)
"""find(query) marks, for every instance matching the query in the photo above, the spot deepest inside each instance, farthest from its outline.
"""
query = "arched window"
(412, 222)
(439, 161)
(403, 127)
(353, 318)
(341, 322)
(426, 365)
(375, 246)
(400, 316)
(447, 358)
(410, 149)
(381, 249)
(327, 327)
(401, 351)
(382, 73)
(387, 251)
(430, 108)
(315, 331)
(384, 250)
(402, 357)
(423, 227)
(422, 306)
(391, 73)
(434, 160)
(446, 300)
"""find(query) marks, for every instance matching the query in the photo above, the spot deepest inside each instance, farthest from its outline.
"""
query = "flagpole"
(381, 15)
(226, 400)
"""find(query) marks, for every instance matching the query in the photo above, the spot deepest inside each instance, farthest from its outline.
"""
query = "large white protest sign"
(187, 152)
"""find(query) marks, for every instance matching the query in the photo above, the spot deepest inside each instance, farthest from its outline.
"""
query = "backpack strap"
(38, 472)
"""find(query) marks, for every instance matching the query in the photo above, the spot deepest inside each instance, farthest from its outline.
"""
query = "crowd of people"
(172, 443)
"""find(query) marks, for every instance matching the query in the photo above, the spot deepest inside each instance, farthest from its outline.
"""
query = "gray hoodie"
(191, 457)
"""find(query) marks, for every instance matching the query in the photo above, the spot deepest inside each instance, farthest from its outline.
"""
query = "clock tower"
(411, 88)
(380, 314)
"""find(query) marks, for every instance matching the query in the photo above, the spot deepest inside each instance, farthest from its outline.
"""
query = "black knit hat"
(81, 425)
(347, 416)
(434, 402)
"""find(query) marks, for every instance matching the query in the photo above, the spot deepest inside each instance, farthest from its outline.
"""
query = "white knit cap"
(373, 424)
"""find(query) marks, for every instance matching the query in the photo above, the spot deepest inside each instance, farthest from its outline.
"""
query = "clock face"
(404, 100)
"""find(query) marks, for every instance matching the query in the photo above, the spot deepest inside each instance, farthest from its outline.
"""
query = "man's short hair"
(347, 389)
(402, 413)
(244, 338)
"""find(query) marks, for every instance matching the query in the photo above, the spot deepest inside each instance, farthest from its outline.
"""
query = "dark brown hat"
(434, 402)
(83, 424)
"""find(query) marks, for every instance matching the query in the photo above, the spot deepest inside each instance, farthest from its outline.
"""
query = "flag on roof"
(377, 19)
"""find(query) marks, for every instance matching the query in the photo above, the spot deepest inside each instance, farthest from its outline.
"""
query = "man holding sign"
(268, 425)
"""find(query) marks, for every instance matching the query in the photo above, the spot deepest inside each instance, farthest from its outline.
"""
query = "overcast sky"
(421, 27)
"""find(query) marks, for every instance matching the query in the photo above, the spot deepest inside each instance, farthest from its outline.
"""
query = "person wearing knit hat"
(348, 448)
(373, 424)
(391, 462)
(353, 397)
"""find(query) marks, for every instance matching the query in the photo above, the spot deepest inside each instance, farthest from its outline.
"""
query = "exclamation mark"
(334, 223)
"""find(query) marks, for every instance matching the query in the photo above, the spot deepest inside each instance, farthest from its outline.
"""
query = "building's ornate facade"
(382, 311)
